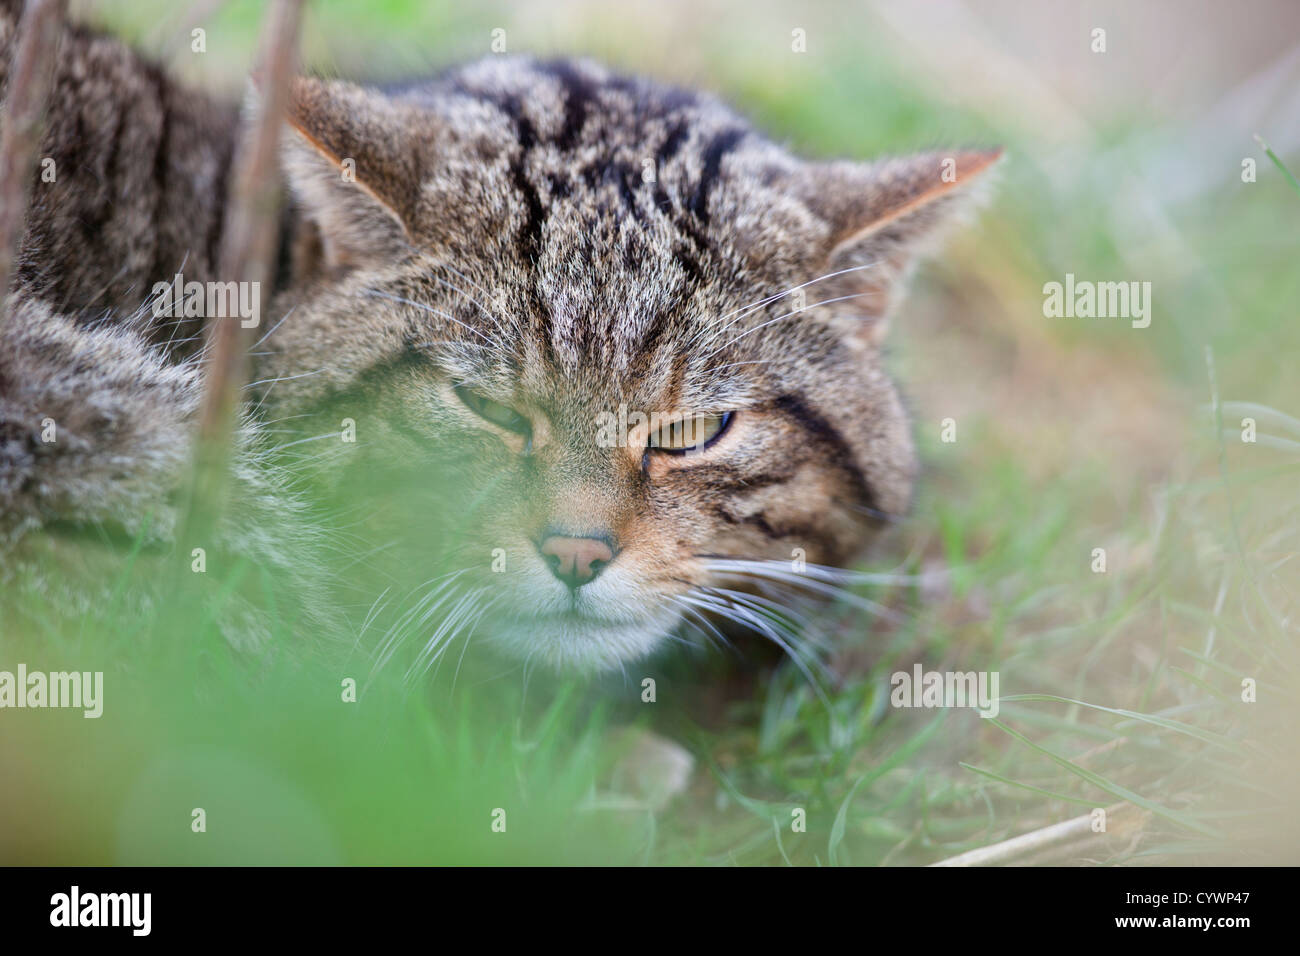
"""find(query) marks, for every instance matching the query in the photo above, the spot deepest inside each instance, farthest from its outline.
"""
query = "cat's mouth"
(578, 618)
(582, 639)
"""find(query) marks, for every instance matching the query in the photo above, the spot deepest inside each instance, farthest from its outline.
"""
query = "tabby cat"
(623, 350)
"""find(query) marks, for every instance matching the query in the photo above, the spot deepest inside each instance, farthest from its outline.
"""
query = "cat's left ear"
(352, 159)
(882, 216)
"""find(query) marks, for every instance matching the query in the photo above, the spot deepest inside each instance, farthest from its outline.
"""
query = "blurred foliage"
(1073, 435)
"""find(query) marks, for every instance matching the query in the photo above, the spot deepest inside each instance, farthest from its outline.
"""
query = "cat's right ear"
(881, 216)
(352, 160)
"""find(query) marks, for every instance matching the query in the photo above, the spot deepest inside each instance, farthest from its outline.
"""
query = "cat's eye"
(500, 415)
(692, 433)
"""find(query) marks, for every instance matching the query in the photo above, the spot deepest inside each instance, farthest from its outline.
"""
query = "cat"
(622, 352)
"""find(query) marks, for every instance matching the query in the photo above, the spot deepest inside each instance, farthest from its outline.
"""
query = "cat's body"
(479, 271)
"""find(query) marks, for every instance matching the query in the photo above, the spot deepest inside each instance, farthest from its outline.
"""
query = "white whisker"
(428, 308)
(763, 325)
(719, 601)
(285, 378)
(748, 309)
(492, 318)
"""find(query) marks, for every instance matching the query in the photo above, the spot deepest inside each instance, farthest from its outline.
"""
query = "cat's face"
(621, 340)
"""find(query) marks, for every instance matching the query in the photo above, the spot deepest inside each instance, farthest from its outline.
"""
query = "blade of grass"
(1109, 786)
(1177, 726)
(1278, 163)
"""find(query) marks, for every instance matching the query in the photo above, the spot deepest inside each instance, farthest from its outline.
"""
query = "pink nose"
(576, 561)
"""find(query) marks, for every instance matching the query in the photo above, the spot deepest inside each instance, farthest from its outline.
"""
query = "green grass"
(1122, 688)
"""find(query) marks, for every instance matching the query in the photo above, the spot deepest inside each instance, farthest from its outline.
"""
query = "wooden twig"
(1055, 842)
(248, 251)
(31, 72)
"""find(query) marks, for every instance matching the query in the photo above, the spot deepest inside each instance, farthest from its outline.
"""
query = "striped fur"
(564, 240)
(574, 241)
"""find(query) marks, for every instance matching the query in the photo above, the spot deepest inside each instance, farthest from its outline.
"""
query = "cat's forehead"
(625, 343)
(611, 296)
(624, 230)
(639, 223)
(610, 314)
(611, 184)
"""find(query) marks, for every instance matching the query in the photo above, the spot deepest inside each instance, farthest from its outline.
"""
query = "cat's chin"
(575, 644)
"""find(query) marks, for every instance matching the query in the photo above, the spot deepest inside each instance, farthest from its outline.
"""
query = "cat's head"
(627, 339)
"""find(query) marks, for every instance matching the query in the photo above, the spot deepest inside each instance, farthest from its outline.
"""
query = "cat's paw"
(95, 424)
(649, 772)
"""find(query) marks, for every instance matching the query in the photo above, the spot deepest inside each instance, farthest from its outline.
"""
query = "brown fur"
(500, 235)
